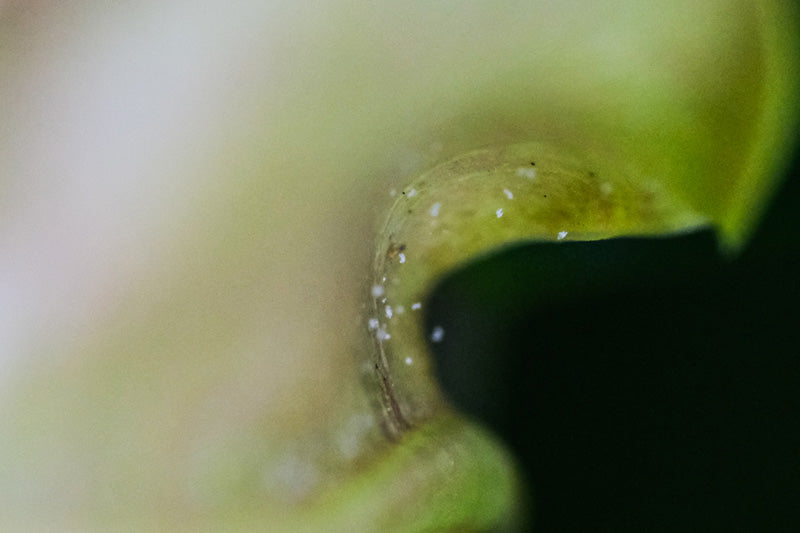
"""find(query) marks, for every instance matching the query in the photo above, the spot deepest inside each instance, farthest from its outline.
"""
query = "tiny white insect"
(389, 313)
(416, 306)
(435, 209)
(409, 360)
(509, 194)
(499, 212)
(402, 257)
(437, 334)
(562, 234)
(382, 335)
(373, 323)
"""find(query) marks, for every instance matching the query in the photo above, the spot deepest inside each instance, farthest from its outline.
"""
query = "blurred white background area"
(167, 267)
(108, 113)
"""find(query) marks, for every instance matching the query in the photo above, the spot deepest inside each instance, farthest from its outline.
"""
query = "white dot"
(409, 360)
(437, 335)
(388, 312)
(416, 306)
(509, 194)
(526, 172)
(412, 192)
(377, 291)
(402, 257)
(499, 212)
(373, 323)
(382, 335)
(435, 209)
(562, 234)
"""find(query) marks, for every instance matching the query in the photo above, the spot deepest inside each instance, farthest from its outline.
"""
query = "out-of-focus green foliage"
(208, 379)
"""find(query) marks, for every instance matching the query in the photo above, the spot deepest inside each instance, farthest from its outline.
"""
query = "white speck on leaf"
(377, 291)
(373, 323)
(509, 194)
(382, 335)
(412, 192)
(562, 234)
(525, 172)
(409, 360)
(416, 306)
(437, 335)
(499, 212)
(435, 209)
(402, 257)
(389, 313)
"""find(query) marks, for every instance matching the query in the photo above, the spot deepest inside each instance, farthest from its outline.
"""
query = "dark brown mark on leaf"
(395, 250)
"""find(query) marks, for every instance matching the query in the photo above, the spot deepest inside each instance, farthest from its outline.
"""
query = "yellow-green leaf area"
(473, 205)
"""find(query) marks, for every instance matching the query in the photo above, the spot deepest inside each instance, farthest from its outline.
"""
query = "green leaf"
(217, 387)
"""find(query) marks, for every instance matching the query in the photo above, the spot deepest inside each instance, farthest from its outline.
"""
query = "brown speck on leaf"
(395, 250)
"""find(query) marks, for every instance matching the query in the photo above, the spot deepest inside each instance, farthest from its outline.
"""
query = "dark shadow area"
(644, 384)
